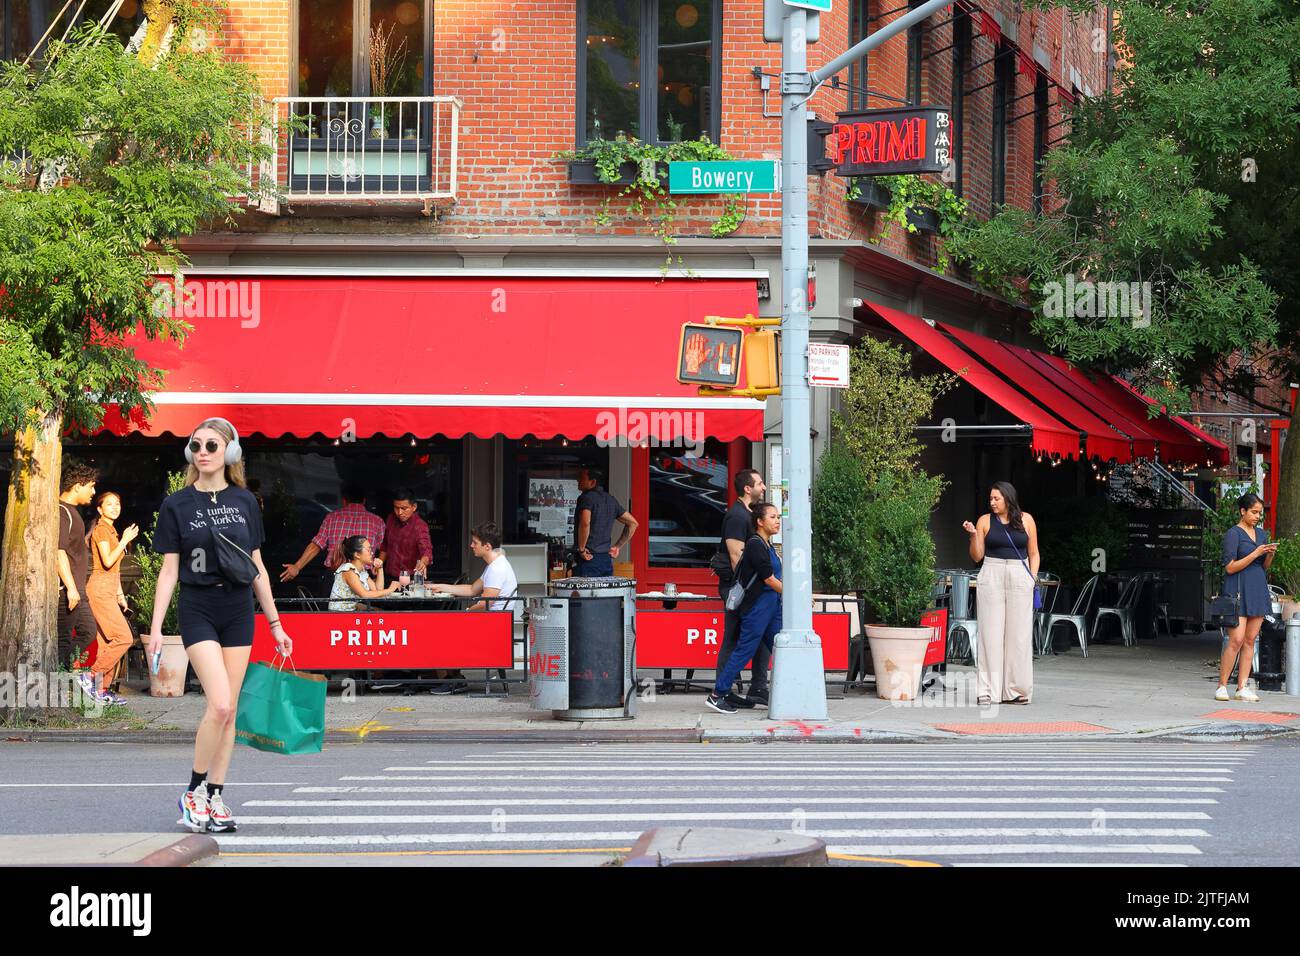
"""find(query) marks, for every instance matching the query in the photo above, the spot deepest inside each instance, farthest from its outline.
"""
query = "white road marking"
(750, 816)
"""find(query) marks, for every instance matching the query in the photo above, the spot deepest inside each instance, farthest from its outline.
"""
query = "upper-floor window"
(1040, 139)
(961, 45)
(24, 22)
(649, 69)
(1004, 84)
(915, 38)
(859, 76)
(363, 48)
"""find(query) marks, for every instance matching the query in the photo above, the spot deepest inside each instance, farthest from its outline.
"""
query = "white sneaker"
(194, 809)
(1222, 693)
(1246, 694)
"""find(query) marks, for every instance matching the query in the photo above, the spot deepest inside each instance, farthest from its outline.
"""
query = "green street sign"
(823, 6)
(753, 176)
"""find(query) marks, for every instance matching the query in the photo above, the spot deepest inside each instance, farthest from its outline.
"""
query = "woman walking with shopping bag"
(209, 534)
(1006, 540)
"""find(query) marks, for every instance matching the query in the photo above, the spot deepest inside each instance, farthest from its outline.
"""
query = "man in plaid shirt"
(352, 518)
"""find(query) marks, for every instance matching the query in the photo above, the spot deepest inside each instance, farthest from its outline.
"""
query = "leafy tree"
(112, 159)
(1183, 176)
(839, 537)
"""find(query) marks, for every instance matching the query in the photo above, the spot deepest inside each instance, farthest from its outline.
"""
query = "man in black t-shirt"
(737, 528)
(76, 490)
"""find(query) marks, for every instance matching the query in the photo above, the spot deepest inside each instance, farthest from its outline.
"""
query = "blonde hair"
(235, 472)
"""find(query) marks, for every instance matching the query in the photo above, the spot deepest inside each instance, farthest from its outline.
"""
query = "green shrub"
(150, 565)
(899, 551)
(1071, 531)
(839, 502)
(1285, 571)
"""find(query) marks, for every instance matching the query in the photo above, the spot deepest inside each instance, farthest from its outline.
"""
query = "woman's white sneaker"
(1246, 694)
(221, 819)
(194, 809)
(1222, 693)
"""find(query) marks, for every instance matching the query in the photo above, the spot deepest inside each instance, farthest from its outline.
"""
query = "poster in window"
(551, 502)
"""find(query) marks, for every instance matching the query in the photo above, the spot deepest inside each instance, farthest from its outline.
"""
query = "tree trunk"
(29, 578)
(1288, 489)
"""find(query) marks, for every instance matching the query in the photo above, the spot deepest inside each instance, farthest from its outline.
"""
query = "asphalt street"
(963, 804)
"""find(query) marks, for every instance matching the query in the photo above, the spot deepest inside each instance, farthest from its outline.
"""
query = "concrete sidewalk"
(1158, 688)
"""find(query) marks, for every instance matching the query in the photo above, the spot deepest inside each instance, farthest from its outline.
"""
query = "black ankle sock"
(196, 778)
(214, 789)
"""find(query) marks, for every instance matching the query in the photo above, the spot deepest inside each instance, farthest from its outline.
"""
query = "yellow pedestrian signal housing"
(763, 359)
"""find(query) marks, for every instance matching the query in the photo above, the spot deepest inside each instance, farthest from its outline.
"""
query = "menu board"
(551, 504)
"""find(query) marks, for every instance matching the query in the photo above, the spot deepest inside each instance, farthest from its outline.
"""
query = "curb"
(186, 851)
(668, 846)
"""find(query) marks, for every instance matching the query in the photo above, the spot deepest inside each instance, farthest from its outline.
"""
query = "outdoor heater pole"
(798, 676)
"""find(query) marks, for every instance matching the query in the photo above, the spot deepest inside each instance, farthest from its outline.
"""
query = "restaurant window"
(365, 48)
(915, 36)
(24, 22)
(859, 75)
(1003, 84)
(688, 498)
(540, 488)
(1040, 139)
(961, 43)
(648, 69)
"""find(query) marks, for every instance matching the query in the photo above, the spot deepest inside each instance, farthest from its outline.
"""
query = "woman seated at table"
(351, 579)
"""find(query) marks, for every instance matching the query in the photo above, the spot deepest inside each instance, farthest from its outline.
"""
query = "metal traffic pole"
(798, 676)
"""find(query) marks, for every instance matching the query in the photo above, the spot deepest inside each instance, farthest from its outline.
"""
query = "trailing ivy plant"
(648, 196)
(917, 194)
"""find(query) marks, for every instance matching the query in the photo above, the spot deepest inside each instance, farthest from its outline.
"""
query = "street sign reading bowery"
(754, 176)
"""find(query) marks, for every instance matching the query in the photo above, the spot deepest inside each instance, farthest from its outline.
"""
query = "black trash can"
(1272, 636)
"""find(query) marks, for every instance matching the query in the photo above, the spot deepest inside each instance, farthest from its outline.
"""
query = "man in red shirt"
(352, 518)
(406, 538)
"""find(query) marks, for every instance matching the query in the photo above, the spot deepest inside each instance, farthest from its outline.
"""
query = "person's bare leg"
(236, 664)
(210, 667)
(1247, 659)
(1236, 637)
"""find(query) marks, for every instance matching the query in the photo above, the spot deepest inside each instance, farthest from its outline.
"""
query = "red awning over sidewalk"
(1104, 440)
(1050, 434)
(301, 355)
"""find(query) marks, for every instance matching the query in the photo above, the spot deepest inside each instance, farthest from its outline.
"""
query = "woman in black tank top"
(1006, 541)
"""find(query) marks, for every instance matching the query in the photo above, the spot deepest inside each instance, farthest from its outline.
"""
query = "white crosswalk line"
(530, 777)
(1012, 849)
(717, 816)
(764, 788)
(739, 801)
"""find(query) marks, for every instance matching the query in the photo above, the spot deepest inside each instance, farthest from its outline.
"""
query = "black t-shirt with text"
(72, 541)
(188, 521)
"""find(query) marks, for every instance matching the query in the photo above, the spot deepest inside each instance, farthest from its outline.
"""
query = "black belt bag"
(235, 564)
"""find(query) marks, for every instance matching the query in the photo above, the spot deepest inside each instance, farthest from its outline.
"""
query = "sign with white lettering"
(402, 640)
(675, 639)
(892, 142)
(828, 365)
(756, 176)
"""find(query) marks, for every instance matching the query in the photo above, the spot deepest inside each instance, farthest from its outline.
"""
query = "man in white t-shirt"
(498, 581)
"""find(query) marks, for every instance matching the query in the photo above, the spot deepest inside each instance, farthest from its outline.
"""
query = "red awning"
(1176, 444)
(1216, 452)
(293, 355)
(1104, 440)
(1050, 434)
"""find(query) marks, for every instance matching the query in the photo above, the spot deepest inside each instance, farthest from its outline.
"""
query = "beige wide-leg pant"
(1005, 611)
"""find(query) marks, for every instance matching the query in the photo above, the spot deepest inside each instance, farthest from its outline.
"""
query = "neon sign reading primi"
(892, 142)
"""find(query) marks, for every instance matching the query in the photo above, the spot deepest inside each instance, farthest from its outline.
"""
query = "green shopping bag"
(281, 711)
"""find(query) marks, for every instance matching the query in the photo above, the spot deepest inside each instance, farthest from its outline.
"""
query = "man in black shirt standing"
(76, 490)
(737, 528)
(595, 514)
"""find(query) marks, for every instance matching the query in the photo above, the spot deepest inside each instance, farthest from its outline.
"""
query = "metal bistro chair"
(1078, 616)
(1123, 609)
(1051, 585)
(308, 599)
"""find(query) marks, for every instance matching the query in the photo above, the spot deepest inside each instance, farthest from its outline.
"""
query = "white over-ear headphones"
(234, 451)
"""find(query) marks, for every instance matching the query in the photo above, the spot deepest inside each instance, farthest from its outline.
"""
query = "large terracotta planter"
(898, 654)
(170, 679)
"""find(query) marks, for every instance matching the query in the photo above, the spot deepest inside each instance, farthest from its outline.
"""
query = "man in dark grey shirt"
(737, 528)
(595, 515)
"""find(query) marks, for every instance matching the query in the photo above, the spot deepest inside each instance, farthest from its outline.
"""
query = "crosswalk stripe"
(952, 832)
(1016, 849)
(624, 837)
(763, 788)
(741, 801)
(717, 815)
(848, 768)
(1146, 778)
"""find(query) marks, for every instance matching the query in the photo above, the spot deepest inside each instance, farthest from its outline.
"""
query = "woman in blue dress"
(1247, 555)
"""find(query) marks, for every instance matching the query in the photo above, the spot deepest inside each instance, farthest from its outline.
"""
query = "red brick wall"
(519, 96)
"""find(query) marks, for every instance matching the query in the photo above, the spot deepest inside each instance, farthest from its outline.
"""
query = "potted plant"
(170, 679)
(899, 579)
(1285, 572)
(839, 553)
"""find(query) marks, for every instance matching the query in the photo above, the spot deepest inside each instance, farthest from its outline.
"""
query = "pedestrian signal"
(709, 355)
(763, 359)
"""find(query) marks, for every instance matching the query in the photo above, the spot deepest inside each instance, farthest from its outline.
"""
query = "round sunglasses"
(210, 445)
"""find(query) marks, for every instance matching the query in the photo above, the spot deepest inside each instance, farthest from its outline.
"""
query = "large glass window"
(688, 498)
(859, 75)
(1040, 139)
(915, 41)
(1004, 81)
(540, 488)
(961, 43)
(648, 69)
(24, 22)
